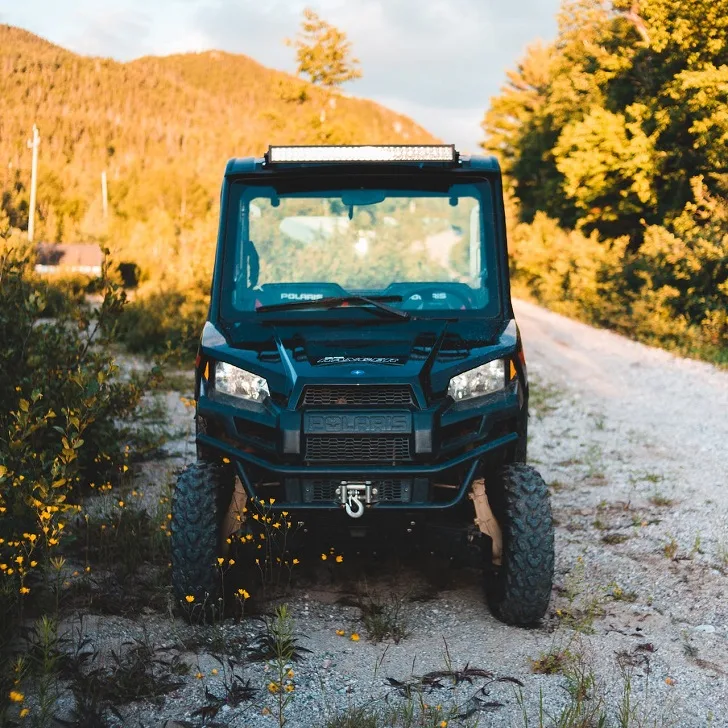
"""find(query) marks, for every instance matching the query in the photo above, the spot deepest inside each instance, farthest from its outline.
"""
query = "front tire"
(518, 590)
(199, 503)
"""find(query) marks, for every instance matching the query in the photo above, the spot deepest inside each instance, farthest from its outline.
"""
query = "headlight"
(487, 378)
(237, 382)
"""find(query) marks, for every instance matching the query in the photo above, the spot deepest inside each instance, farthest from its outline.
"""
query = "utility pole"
(33, 144)
(104, 195)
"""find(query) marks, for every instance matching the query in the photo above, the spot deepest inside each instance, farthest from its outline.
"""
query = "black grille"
(324, 491)
(393, 490)
(384, 449)
(357, 396)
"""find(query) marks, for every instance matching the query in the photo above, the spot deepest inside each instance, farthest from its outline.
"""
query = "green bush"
(681, 296)
(564, 269)
(671, 292)
(62, 293)
(163, 321)
(63, 407)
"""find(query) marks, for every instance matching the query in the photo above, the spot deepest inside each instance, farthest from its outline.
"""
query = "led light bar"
(364, 153)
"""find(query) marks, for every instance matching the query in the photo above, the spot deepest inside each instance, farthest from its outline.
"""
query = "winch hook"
(358, 510)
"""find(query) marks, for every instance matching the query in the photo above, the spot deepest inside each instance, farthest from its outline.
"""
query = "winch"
(350, 496)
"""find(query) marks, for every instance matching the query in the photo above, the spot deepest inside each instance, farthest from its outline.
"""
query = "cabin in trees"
(61, 258)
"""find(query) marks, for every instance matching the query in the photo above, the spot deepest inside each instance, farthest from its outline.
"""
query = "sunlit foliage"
(619, 130)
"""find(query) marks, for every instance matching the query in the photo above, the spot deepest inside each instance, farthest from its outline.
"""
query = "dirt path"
(678, 405)
(632, 442)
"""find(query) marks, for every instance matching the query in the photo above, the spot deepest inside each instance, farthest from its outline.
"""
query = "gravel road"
(632, 442)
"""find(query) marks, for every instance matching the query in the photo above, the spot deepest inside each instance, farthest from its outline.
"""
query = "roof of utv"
(443, 156)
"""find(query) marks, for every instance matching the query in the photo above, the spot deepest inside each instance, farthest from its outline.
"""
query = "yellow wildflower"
(296, 561)
(24, 713)
(190, 598)
(354, 637)
(339, 559)
(340, 632)
(324, 557)
(16, 697)
(24, 590)
(273, 687)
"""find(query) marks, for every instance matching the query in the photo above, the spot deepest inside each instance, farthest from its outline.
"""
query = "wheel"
(519, 588)
(199, 503)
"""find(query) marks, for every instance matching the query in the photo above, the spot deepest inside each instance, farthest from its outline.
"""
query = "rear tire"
(199, 503)
(519, 589)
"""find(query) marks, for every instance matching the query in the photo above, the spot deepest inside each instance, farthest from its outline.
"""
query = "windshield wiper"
(378, 302)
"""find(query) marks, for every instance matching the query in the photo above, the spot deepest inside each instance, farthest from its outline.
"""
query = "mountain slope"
(162, 128)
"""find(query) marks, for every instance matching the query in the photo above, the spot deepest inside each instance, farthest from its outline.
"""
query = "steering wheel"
(424, 298)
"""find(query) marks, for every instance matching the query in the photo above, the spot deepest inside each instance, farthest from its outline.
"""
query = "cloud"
(441, 59)
(257, 29)
(118, 33)
(451, 125)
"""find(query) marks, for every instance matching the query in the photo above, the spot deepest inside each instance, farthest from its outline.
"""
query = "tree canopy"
(604, 128)
(614, 141)
(323, 52)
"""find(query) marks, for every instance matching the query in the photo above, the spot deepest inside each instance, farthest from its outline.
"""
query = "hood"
(428, 351)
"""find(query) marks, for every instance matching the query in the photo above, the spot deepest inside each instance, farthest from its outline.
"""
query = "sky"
(438, 61)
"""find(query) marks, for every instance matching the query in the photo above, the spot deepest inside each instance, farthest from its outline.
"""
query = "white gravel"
(618, 430)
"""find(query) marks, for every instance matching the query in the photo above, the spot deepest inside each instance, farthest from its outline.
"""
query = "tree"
(521, 132)
(619, 129)
(605, 127)
(323, 52)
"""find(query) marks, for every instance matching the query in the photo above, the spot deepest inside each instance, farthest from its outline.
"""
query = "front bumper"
(449, 444)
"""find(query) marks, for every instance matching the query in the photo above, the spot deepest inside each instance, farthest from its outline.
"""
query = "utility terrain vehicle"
(361, 369)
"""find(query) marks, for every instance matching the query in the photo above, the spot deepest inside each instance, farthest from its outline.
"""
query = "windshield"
(429, 250)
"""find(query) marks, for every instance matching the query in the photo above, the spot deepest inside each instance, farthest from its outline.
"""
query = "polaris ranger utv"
(361, 368)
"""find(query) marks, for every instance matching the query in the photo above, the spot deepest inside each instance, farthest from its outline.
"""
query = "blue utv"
(361, 369)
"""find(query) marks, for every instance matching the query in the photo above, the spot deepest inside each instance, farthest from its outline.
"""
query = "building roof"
(72, 257)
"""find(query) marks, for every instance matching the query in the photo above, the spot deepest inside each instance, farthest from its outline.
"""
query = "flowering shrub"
(61, 409)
